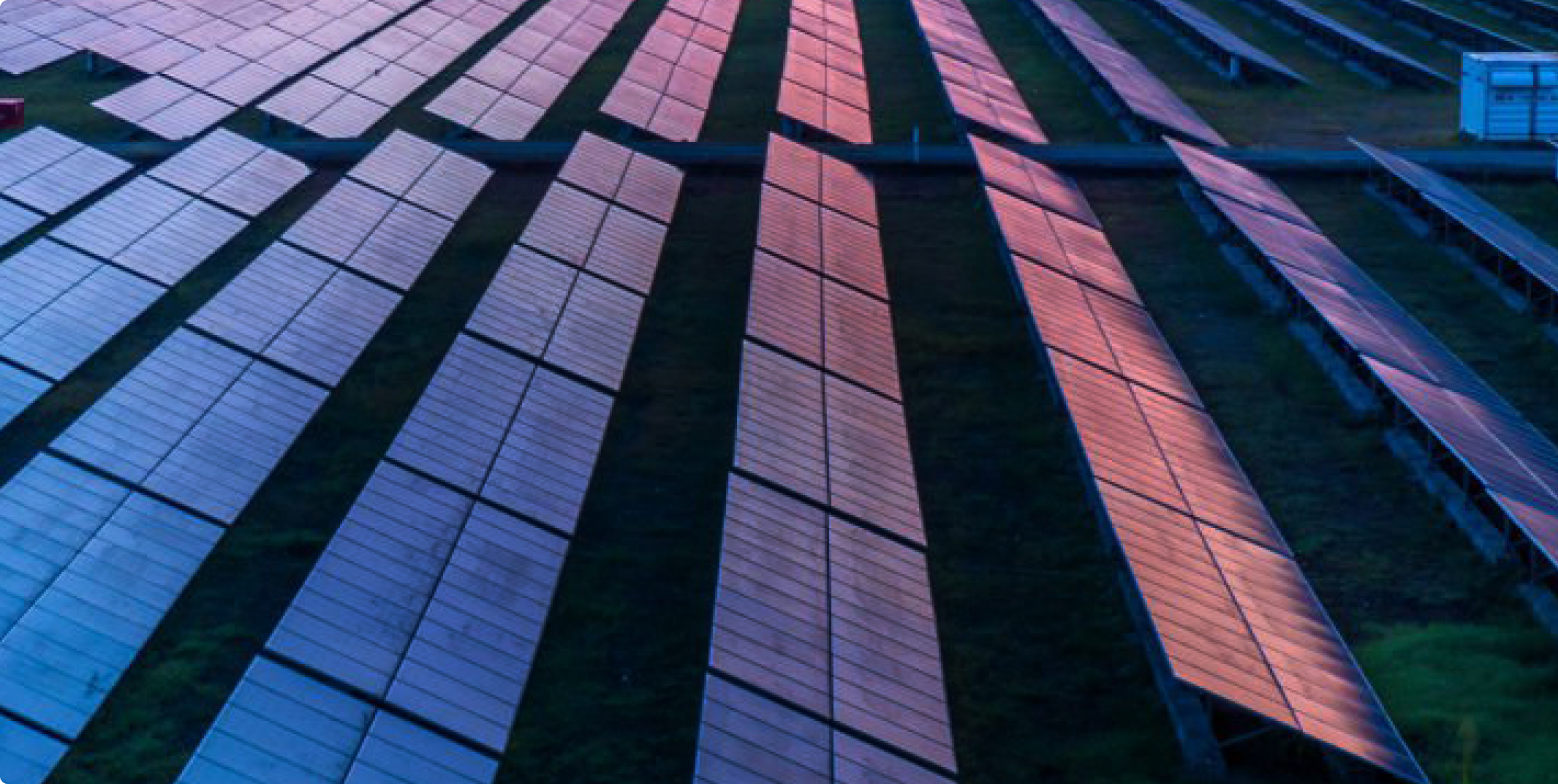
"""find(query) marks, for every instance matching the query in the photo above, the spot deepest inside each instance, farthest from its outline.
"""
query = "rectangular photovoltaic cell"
(166, 108)
(98, 567)
(197, 422)
(1132, 83)
(361, 86)
(35, 35)
(27, 756)
(48, 172)
(1026, 178)
(606, 239)
(300, 312)
(976, 85)
(496, 426)
(824, 83)
(1230, 608)
(233, 171)
(827, 439)
(151, 229)
(18, 390)
(371, 232)
(631, 179)
(414, 576)
(822, 240)
(283, 727)
(424, 174)
(746, 738)
(1490, 225)
(507, 92)
(669, 82)
(82, 315)
(831, 617)
(16, 220)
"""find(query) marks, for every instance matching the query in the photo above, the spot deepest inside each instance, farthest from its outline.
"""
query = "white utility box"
(1509, 96)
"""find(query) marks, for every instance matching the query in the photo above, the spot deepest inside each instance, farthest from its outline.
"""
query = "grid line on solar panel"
(48, 172)
(828, 440)
(232, 171)
(349, 94)
(976, 85)
(507, 92)
(96, 567)
(423, 173)
(1211, 34)
(151, 229)
(282, 725)
(669, 81)
(1132, 83)
(495, 426)
(824, 82)
(585, 231)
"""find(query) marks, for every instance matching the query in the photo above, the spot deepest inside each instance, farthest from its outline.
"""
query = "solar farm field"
(773, 392)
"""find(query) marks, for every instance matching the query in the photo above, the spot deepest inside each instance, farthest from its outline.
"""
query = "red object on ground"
(12, 112)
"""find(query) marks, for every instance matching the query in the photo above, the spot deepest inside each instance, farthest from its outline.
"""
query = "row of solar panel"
(1510, 461)
(669, 82)
(1142, 95)
(418, 625)
(975, 83)
(76, 288)
(1230, 607)
(43, 173)
(507, 92)
(812, 609)
(1513, 252)
(1211, 35)
(352, 92)
(34, 34)
(824, 81)
(200, 87)
(149, 474)
(1449, 27)
(1354, 45)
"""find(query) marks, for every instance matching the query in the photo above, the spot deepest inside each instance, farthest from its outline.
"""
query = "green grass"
(1439, 631)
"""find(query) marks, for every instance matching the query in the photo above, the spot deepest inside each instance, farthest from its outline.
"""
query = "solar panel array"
(1144, 96)
(1532, 11)
(825, 663)
(126, 503)
(202, 86)
(1210, 35)
(1449, 27)
(43, 173)
(348, 95)
(36, 34)
(824, 84)
(1352, 44)
(1230, 608)
(1516, 254)
(669, 82)
(418, 625)
(507, 92)
(1512, 466)
(73, 290)
(976, 84)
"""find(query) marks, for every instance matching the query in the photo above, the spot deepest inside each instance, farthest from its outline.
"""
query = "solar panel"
(1354, 45)
(424, 174)
(101, 567)
(18, 390)
(281, 726)
(1493, 229)
(669, 82)
(1230, 609)
(1211, 35)
(232, 171)
(151, 229)
(616, 173)
(1147, 98)
(1447, 26)
(506, 93)
(49, 172)
(197, 422)
(976, 85)
(27, 756)
(166, 108)
(371, 232)
(824, 83)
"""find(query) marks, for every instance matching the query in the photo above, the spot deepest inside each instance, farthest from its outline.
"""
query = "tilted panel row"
(205, 86)
(349, 94)
(824, 81)
(415, 632)
(1511, 464)
(81, 285)
(188, 436)
(1372, 54)
(37, 34)
(43, 173)
(507, 92)
(975, 83)
(1447, 26)
(1229, 608)
(1143, 95)
(1516, 254)
(669, 82)
(1211, 36)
